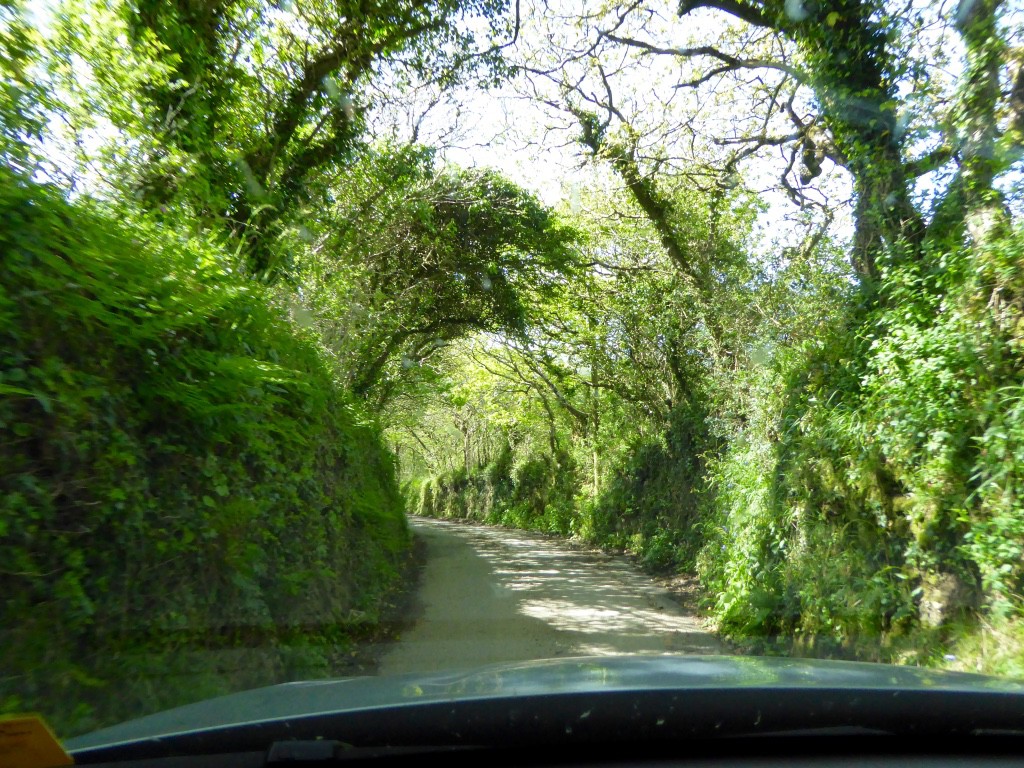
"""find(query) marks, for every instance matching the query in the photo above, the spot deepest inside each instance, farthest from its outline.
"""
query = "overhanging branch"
(730, 63)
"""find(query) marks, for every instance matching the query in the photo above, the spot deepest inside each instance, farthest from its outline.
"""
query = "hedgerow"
(189, 501)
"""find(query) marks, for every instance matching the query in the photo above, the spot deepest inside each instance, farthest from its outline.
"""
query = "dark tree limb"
(741, 10)
(730, 63)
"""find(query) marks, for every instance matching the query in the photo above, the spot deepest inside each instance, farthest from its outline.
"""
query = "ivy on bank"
(190, 502)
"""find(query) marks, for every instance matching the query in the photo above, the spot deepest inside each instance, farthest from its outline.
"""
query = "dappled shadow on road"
(601, 601)
(508, 595)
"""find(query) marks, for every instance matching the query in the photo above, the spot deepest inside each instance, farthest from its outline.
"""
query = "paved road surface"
(491, 595)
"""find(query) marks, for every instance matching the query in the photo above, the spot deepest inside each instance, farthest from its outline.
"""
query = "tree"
(245, 105)
(412, 257)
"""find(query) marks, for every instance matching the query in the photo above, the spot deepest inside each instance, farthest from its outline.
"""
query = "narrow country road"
(492, 595)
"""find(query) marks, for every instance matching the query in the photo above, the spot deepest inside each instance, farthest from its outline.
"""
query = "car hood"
(578, 679)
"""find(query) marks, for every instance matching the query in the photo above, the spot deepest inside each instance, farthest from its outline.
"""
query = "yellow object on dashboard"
(27, 742)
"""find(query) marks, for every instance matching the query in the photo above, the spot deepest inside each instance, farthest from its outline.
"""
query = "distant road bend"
(491, 595)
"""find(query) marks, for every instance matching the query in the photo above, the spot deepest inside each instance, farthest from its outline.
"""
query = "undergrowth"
(190, 503)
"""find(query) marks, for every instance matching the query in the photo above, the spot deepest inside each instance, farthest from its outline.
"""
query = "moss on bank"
(190, 503)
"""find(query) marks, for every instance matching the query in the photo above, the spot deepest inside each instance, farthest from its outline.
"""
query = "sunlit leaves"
(22, 97)
(412, 257)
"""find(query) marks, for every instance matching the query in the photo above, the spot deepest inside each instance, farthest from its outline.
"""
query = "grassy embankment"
(190, 503)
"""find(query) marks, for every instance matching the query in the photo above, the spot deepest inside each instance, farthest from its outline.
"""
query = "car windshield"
(345, 339)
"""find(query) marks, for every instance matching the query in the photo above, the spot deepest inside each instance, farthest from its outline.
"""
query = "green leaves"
(416, 257)
(239, 113)
(23, 99)
(180, 460)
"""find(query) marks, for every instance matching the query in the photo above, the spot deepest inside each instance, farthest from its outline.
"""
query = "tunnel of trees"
(254, 310)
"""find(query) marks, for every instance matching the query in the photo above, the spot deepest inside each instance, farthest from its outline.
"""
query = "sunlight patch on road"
(543, 600)
(598, 620)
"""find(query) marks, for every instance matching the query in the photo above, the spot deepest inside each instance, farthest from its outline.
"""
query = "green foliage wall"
(879, 493)
(189, 502)
(535, 493)
(654, 497)
(650, 503)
